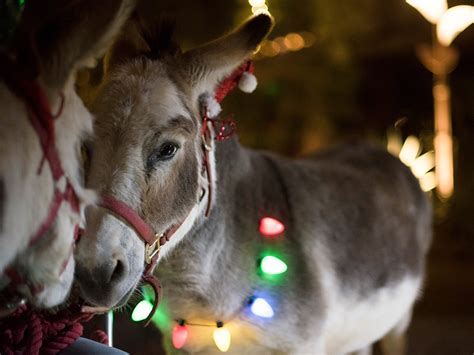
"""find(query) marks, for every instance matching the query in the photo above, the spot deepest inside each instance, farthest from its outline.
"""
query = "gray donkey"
(357, 225)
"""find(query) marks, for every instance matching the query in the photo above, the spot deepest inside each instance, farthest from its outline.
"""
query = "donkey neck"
(213, 271)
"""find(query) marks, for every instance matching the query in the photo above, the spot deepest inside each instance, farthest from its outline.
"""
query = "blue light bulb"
(261, 308)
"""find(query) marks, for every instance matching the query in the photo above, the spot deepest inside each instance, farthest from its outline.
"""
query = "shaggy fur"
(54, 40)
(357, 223)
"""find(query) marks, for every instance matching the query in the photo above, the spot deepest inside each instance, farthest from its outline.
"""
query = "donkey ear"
(129, 44)
(59, 37)
(206, 66)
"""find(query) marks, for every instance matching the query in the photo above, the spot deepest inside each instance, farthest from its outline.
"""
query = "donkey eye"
(163, 153)
(168, 150)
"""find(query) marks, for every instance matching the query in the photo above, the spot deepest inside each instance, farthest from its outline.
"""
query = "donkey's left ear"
(206, 66)
(57, 37)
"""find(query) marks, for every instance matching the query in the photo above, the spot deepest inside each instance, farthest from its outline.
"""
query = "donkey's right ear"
(59, 37)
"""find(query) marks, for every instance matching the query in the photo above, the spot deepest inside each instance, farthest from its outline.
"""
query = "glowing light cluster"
(423, 164)
(221, 336)
(432, 10)
(449, 22)
(292, 42)
(453, 22)
(409, 153)
(410, 150)
(259, 7)
(258, 304)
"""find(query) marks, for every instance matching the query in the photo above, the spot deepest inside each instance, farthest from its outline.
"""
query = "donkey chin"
(100, 299)
(45, 285)
(46, 269)
(57, 291)
(109, 298)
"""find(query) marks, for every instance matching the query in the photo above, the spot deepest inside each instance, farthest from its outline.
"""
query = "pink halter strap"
(153, 242)
(129, 215)
(41, 118)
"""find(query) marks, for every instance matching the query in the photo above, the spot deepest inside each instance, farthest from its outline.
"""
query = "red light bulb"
(180, 335)
(271, 227)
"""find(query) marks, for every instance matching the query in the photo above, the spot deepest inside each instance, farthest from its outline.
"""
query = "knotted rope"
(33, 332)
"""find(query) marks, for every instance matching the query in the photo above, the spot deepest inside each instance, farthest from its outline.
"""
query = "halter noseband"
(154, 241)
(42, 120)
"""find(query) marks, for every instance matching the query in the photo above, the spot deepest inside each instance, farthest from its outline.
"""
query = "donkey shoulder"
(364, 208)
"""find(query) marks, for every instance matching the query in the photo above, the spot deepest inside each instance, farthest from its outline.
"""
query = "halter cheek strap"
(129, 215)
(154, 241)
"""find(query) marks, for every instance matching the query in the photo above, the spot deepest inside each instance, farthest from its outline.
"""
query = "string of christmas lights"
(268, 265)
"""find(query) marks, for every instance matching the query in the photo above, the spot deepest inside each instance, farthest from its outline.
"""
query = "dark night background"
(358, 79)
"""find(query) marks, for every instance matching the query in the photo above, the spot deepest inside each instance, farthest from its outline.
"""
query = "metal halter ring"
(151, 250)
(207, 145)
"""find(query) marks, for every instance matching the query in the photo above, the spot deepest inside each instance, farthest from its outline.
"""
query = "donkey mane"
(145, 37)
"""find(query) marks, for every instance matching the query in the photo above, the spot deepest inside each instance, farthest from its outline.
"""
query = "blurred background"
(334, 71)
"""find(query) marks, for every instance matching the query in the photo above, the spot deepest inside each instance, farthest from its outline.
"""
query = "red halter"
(154, 241)
(42, 120)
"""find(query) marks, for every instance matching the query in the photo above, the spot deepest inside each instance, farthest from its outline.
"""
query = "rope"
(100, 336)
(35, 332)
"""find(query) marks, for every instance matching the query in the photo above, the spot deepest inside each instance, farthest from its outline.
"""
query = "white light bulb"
(453, 22)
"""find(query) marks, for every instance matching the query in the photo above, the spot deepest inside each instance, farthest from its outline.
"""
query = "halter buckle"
(207, 145)
(151, 250)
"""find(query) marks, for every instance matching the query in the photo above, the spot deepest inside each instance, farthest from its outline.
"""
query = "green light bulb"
(273, 266)
(141, 311)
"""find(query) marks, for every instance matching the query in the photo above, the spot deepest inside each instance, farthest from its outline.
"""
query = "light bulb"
(453, 22)
(180, 335)
(432, 10)
(423, 164)
(261, 308)
(222, 338)
(271, 227)
(256, 3)
(410, 150)
(272, 265)
(141, 310)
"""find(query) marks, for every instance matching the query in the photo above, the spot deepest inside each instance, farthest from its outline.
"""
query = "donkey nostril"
(118, 272)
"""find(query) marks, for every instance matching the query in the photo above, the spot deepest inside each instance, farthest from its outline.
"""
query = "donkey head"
(148, 149)
(54, 39)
